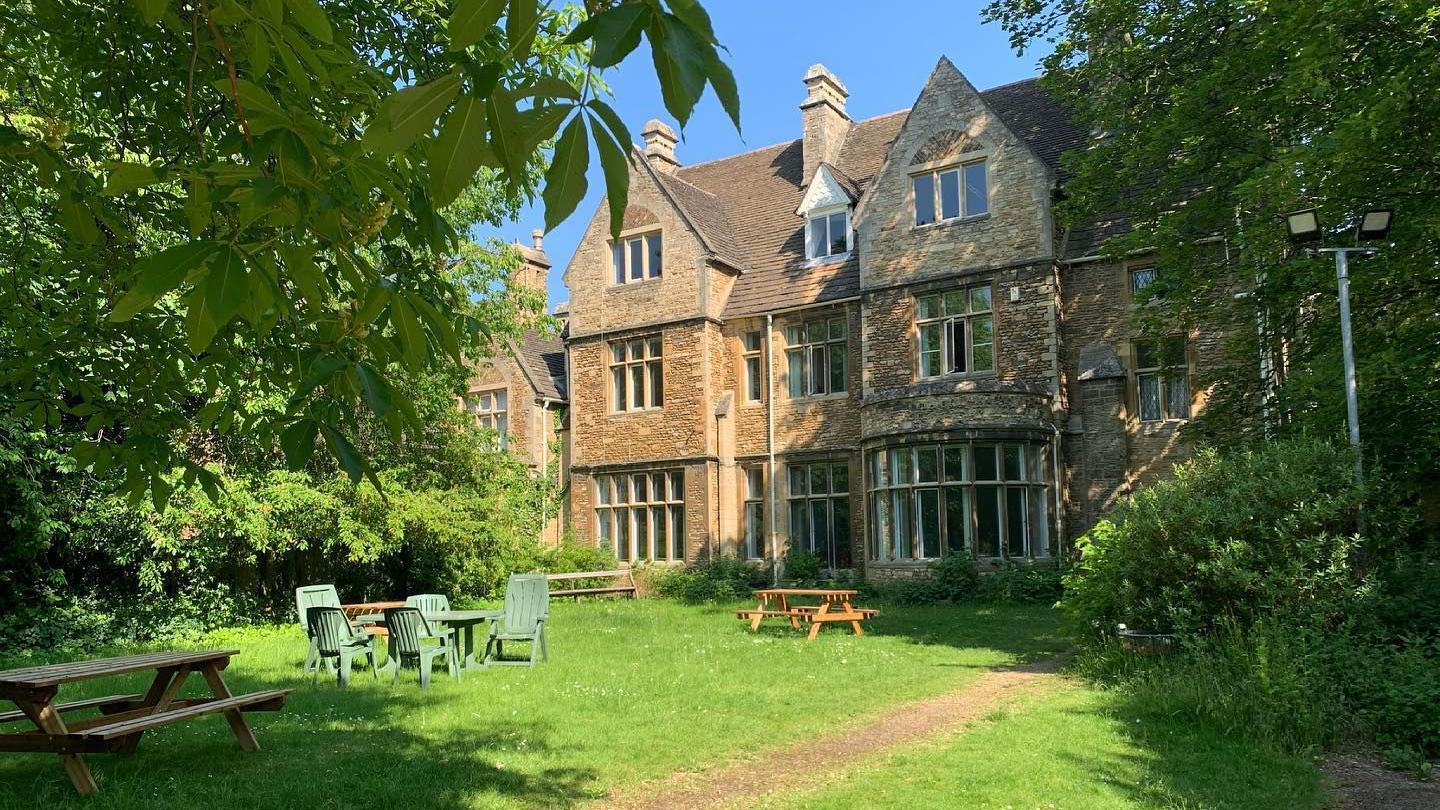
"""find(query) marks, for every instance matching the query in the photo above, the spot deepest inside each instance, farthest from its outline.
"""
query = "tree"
(210, 203)
(1219, 117)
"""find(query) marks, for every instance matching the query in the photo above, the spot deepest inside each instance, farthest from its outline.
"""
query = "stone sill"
(821, 261)
(945, 223)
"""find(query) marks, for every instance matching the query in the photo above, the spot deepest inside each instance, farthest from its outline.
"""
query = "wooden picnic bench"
(123, 718)
(626, 587)
(835, 606)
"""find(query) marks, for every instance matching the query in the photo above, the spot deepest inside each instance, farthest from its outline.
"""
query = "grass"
(633, 691)
(1074, 748)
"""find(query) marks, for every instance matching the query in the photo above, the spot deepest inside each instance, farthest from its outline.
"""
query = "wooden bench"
(835, 608)
(123, 718)
(627, 587)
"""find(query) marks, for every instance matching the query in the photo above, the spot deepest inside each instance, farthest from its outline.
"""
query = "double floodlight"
(1304, 225)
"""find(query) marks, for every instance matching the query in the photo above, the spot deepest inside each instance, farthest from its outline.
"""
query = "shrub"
(956, 577)
(1033, 584)
(720, 579)
(570, 555)
(802, 566)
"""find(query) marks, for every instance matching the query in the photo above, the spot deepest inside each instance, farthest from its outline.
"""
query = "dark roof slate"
(543, 359)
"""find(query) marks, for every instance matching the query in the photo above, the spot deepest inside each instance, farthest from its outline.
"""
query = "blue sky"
(882, 51)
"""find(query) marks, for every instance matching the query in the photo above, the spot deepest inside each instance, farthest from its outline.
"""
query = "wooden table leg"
(42, 713)
(162, 690)
(854, 623)
(817, 620)
(785, 606)
(755, 620)
(235, 716)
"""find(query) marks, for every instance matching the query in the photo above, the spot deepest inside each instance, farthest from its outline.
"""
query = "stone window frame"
(825, 213)
(1136, 373)
(808, 349)
(953, 478)
(651, 241)
(935, 169)
(752, 511)
(945, 321)
(495, 417)
(752, 367)
(808, 500)
(623, 499)
(622, 368)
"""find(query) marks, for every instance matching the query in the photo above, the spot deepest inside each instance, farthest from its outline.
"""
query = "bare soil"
(1360, 782)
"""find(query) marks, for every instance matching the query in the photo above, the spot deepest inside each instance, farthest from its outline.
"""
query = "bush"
(721, 579)
(802, 566)
(956, 577)
(1015, 584)
(573, 556)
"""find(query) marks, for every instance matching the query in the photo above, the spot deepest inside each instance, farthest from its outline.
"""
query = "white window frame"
(948, 323)
(962, 204)
(622, 255)
(496, 415)
(810, 351)
(1163, 377)
(630, 511)
(824, 215)
(643, 355)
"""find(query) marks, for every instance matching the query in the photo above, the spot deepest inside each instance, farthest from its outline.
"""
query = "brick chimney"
(824, 118)
(660, 145)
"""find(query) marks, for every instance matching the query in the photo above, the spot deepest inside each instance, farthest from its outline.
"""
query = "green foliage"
(956, 579)
(1232, 537)
(721, 579)
(1246, 111)
(803, 566)
(213, 204)
(1014, 584)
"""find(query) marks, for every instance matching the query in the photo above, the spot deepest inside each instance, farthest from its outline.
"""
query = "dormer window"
(827, 233)
(951, 193)
(636, 258)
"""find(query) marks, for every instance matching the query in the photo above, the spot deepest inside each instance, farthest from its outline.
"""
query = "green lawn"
(633, 691)
(1073, 749)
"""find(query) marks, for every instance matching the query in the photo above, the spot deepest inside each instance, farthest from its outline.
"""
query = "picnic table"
(354, 610)
(835, 606)
(123, 718)
(465, 620)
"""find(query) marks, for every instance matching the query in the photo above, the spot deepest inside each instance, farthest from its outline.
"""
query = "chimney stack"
(537, 238)
(660, 145)
(824, 119)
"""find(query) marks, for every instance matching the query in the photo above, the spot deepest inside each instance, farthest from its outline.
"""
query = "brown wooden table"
(463, 620)
(123, 718)
(835, 606)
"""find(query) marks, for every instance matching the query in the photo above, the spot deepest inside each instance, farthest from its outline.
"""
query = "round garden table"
(461, 619)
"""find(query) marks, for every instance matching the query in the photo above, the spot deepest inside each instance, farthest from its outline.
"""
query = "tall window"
(489, 409)
(987, 498)
(754, 512)
(754, 368)
(1162, 380)
(815, 357)
(636, 258)
(637, 374)
(641, 515)
(827, 234)
(959, 191)
(820, 511)
(956, 332)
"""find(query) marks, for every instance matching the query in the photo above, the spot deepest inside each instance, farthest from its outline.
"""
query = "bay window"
(956, 332)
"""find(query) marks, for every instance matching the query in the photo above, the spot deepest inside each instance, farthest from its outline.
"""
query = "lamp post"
(1304, 227)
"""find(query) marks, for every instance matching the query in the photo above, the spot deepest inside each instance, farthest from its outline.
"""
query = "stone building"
(872, 342)
(519, 391)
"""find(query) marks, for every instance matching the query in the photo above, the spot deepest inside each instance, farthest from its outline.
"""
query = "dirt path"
(741, 781)
(1361, 783)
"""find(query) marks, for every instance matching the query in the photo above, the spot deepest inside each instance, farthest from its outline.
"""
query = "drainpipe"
(770, 444)
(1059, 503)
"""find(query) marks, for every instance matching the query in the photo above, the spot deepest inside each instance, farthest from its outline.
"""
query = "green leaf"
(227, 288)
(200, 326)
(197, 205)
(302, 271)
(151, 9)
(373, 389)
(159, 274)
(409, 113)
(373, 304)
(311, 18)
(321, 370)
(258, 44)
(272, 11)
(679, 59)
(614, 163)
(459, 151)
(471, 21)
(345, 453)
(408, 331)
(505, 132)
(520, 27)
(722, 81)
(160, 490)
(539, 124)
(440, 326)
(565, 182)
(123, 178)
(298, 443)
(694, 16)
(616, 33)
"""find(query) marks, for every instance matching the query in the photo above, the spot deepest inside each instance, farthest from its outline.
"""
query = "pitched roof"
(744, 206)
(543, 361)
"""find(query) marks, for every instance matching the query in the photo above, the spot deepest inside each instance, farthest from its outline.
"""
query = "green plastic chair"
(428, 602)
(335, 637)
(527, 606)
(307, 597)
(408, 633)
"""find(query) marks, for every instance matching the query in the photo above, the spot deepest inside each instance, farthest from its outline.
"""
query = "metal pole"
(1352, 406)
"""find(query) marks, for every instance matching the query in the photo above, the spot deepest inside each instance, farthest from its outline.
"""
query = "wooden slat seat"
(750, 614)
(626, 587)
(267, 700)
(102, 703)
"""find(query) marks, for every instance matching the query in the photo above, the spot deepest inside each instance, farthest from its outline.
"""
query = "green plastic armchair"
(527, 607)
(409, 632)
(307, 597)
(335, 637)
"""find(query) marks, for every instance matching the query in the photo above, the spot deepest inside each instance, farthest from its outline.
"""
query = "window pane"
(795, 335)
(617, 352)
(617, 384)
(637, 258)
(904, 523)
(928, 501)
(955, 303)
(640, 531)
(1039, 524)
(930, 350)
(677, 532)
(986, 468)
(657, 384)
(837, 233)
(980, 299)
(837, 328)
(957, 519)
(753, 522)
(656, 260)
(1014, 466)
(955, 339)
(795, 360)
(840, 532)
(622, 489)
(949, 194)
(657, 486)
(677, 486)
(640, 488)
(819, 479)
(602, 489)
(1016, 516)
(900, 469)
(653, 347)
(799, 533)
(840, 478)
(928, 464)
(987, 521)
(928, 307)
(924, 185)
(1146, 356)
(955, 463)
(982, 343)
(881, 547)
(819, 239)
(617, 262)
(1141, 278)
(976, 198)
(837, 368)
(602, 528)
(1177, 394)
(753, 341)
(1149, 397)
(752, 379)
(820, 527)
(622, 533)
(637, 386)
(819, 366)
(797, 480)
